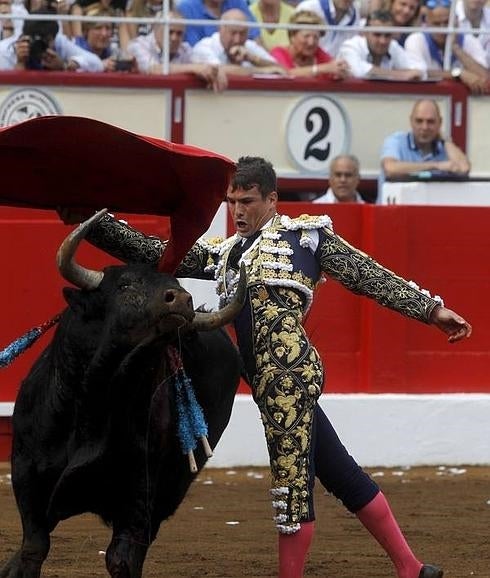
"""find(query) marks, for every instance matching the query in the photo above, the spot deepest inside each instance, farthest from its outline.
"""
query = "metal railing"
(166, 21)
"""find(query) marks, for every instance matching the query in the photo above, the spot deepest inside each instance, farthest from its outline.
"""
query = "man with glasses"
(344, 180)
(468, 58)
(378, 55)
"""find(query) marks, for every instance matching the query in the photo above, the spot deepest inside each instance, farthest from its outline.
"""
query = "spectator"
(333, 12)
(475, 14)
(212, 10)
(377, 55)
(272, 12)
(97, 38)
(303, 56)
(83, 7)
(233, 51)
(344, 180)
(9, 28)
(49, 51)
(404, 13)
(148, 51)
(469, 60)
(422, 149)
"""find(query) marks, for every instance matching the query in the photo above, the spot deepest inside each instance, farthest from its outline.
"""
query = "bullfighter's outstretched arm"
(363, 275)
(122, 241)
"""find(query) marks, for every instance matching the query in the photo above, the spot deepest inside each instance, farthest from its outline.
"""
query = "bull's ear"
(73, 298)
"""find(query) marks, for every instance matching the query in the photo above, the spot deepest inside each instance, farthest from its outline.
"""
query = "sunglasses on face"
(431, 4)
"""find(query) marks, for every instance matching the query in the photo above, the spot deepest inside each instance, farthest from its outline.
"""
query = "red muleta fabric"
(85, 164)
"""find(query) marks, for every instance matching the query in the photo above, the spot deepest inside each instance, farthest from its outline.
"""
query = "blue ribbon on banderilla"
(25, 341)
(191, 422)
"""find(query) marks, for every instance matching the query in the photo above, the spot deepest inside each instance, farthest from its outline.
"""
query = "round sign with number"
(318, 130)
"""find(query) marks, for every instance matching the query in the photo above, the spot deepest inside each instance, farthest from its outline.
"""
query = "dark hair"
(254, 172)
(44, 28)
(379, 16)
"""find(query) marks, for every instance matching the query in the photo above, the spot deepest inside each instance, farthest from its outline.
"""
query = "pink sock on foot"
(378, 518)
(293, 549)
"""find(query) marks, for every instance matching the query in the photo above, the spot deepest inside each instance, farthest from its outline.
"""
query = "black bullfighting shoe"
(429, 571)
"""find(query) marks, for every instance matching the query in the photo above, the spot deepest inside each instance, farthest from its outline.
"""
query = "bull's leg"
(31, 496)
(126, 554)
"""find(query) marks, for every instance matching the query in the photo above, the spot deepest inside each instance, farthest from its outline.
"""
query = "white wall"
(378, 430)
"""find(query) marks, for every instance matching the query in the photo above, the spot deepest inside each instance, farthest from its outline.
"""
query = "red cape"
(66, 161)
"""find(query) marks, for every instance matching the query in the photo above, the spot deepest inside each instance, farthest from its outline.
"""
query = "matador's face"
(249, 210)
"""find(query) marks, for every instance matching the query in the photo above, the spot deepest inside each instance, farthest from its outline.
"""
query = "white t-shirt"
(329, 197)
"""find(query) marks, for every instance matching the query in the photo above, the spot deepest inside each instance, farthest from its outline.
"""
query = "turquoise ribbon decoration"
(22, 343)
(191, 424)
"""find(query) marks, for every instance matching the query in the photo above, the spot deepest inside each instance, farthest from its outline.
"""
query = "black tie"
(239, 248)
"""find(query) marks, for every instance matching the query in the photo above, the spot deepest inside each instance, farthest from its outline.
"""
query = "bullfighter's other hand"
(453, 325)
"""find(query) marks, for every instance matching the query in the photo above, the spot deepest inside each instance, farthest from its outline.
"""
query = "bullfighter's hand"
(453, 325)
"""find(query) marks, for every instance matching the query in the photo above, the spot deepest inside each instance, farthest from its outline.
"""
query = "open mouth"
(240, 225)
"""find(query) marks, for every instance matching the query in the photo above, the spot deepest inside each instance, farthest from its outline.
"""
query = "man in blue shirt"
(421, 149)
(211, 10)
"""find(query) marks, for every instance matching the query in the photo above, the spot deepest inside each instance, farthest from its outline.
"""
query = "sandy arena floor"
(224, 529)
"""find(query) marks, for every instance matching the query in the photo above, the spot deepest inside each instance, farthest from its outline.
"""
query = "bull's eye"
(124, 286)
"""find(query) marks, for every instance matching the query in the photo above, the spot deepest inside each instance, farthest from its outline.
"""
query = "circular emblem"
(318, 130)
(27, 103)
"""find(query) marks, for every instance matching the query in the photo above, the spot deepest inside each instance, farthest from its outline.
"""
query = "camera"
(123, 65)
(37, 47)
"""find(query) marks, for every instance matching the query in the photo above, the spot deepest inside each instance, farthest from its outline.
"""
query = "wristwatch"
(456, 73)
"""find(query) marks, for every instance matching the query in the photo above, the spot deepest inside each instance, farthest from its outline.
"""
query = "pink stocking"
(293, 549)
(378, 518)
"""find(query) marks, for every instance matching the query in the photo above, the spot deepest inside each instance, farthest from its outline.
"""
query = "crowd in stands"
(225, 43)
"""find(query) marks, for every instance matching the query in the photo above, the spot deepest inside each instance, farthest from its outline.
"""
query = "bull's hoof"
(12, 568)
(430, 571)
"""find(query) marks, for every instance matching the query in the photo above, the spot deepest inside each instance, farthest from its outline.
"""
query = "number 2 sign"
(318, 130)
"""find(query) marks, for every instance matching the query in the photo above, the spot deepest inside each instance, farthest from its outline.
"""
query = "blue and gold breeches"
(286, 384)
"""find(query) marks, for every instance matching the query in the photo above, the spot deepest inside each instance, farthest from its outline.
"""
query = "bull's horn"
(69, 269)
(208, 321)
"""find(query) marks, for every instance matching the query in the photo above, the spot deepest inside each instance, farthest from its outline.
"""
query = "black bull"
(94, 425)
